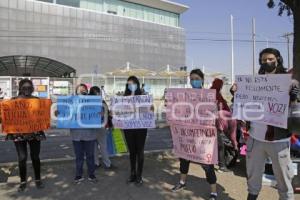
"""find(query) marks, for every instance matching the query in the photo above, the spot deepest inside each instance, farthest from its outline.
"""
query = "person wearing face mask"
(225, 124)
(84, 140)
(274, 143)
(197, 80)
(33, 139)
(101, 143)
(135, 138)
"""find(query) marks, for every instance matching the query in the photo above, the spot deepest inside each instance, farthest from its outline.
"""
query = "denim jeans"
(84, 149)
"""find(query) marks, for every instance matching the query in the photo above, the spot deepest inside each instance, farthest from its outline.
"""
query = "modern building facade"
(91, 36)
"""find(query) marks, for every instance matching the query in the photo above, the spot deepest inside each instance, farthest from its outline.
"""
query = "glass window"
(157, 16)
(112, 7)
(177, 20)
(140, 12)
(174, 19)
(49, 1)
(84, 4)
(123, 8)
(163, 18)
(132, 11)
(125, 11)
(73, 3)
(150, 14)
(92, 4)
(168, 19)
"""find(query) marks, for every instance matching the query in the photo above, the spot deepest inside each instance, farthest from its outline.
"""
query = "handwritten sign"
(195, 143)
(133, 112)
(263, 99)
(25, 115)
(191, 114)
(79, 112)
(191, 106)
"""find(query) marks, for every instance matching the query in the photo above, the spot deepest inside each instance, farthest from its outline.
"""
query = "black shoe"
(178, 186)
(78, 179)
(252, 197)
(131, 179)
(139, 181)
(92, 179)
(22, 187)
(39, 184)
(223, 169)
(213, 197)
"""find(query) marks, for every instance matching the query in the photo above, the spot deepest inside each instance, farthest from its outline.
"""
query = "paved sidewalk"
(160, 173)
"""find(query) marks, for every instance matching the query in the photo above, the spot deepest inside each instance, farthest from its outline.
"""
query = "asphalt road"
(59, 144)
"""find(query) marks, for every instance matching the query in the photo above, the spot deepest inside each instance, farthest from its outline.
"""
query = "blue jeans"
(81, 149)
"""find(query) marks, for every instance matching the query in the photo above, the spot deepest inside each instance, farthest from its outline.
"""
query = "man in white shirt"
(269, 141)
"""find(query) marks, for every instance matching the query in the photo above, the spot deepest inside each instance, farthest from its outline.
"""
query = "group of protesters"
(275, 144)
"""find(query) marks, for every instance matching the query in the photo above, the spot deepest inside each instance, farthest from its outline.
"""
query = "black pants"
(211, 177)
(21, 148)
(221, 149)
(135, 139)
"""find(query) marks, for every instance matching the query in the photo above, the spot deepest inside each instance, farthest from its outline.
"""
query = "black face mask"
(82, 93)
(26, 91)
(268, 67)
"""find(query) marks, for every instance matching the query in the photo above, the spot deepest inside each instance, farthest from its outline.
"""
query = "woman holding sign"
(33, 139)
(269, 141)
(135, 138)
(84, 141)
(197, 80)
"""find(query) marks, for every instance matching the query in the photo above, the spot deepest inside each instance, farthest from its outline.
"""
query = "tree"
(292, 8)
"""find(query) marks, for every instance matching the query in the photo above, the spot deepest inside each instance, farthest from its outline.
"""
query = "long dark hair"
(135, 80)
(95, 90)
(280, 68)
(22, 82)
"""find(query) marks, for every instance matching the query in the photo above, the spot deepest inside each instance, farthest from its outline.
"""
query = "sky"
(210, 19)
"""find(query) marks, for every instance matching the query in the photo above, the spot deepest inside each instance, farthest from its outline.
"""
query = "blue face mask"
(196, 84)
(132, 87)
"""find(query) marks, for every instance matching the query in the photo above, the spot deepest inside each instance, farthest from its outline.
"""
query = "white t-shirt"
(258, 131)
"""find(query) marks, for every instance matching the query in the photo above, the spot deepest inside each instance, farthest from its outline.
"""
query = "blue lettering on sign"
(133, 124)
(79, 112)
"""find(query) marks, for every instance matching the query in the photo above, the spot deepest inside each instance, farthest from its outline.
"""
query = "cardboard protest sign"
(195, 143)
(79, 112)
(133, 112)
(25, 115)
(191, 106)
(263, 99)
(191, 114)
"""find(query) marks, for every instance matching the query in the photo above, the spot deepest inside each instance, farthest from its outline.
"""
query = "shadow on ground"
(160, 174)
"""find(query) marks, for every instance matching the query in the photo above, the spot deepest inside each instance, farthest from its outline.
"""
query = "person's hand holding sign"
(294, 91)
